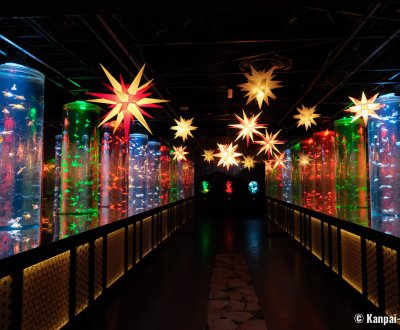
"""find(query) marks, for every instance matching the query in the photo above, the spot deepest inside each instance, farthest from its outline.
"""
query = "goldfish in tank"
(27, 216)
(20, 170)
(6, 132)
(17, 106)
(7, 94)
(19, 97)
(14, 87)
(35, 206)
(5, 110)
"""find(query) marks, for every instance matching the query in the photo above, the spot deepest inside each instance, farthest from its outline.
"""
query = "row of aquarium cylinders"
(352, 172)
(97, 176)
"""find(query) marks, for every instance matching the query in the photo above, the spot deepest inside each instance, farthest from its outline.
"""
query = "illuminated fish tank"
(17, 241)
(165, 161)
(270, 181)
(153, 174)
(137, 173)
(57, 186)
(21, 139)
(173, 180)
(180, 178)
(296, 176)
(351, 171)
(384, 165)
(325, 181)
(79, 168)
(188, 179)
(287, 176)
(114, 162)
(307, 173)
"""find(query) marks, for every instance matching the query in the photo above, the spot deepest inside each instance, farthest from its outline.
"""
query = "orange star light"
(248, 162)
(268, 166)
(306, 116)
(304, 160)
(247, 127)
(127, 101)
(279, 161)
(179, 153)
(208, 155)
(364, 108)
(228, 155)
(268, 143)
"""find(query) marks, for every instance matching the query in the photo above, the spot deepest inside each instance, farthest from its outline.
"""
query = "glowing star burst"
(364, 108)
(268, 143)
(208, 155)
(304, 160)
(179, 153)
(183, 128)
(279, 161)
(248, 162)
(247, 126)
(268, 165)
(259, 86)
(127, 101)
(228, 155)
(306, 116)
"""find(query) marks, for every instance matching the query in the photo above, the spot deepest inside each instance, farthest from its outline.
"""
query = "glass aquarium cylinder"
(153, 174)
(165, 162)
(287, 176)
(325, 181)
(21, 138)
(270, 180)
(384, 165)
(188, 179)
(57, 186)
(79, 168)
(180, 178)
(307, 174)
(351, 171)
(137, 173)
(114, 163)
(296, 176)
(173, 180)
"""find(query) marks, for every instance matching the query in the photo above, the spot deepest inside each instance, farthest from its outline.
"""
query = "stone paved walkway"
(232, 301)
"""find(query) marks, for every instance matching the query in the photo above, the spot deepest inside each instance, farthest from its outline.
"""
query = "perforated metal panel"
(296, 221)
(334, 246)
(115, 255)
(326, 244)
(391, 281)
(372, 276)
(46, 294)
(351, 259)
(98, 267)
(164, 224)
(5, 302)
(146, 236)
(82, 278)
(130, 246)
(316, 237)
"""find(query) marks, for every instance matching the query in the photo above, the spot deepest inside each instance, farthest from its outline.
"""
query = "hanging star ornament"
(306, 116)
(304, 160)
(228, 155)
(183, 128)
(248, 162)
(247, 127)
(208, 155)
(279, 161)
(179, 153)
(364, 108)
(128, 101)
(268, 166)
(269, 143)
(259, 86)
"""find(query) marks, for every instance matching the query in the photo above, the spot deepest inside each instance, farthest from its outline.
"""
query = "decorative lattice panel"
(137, 242)
(391, 281)
(45, 297)
(334, 247)
(130, 246)
(115, 255)
(372, 275)
(164, 224)
(82, 278)
(98, 267)
(5, 301)
(316, 237)
(351, 259)
(146, 236)
(297, 225)
(326, 245)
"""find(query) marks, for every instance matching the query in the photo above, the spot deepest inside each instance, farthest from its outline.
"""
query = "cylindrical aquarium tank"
(173, 180)
(351, 171)
(153, 174)
(296, 176)
(325, 183)
(57, 186)
(384, 165)
(79, 168)
(188, 179)
(270, 180)
(114, 163)
(21, 139)
(164, 174)
(307, 174)
(287, 177)
(180, 178)
(137, 173)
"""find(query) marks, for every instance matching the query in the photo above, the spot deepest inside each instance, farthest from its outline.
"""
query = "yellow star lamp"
(268, 143)
(304, 160)
(279, 161)
(183, 128)
(364, 108)
(228, 155)
(248, 162)
(306, 116)
(179, 153)
(208, 155)
(247, 127)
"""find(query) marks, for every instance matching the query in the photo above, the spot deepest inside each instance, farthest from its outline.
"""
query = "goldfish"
(14, 87)
(17, 106)
(6, 132)
(7, 94)
(27, 216)
(30, 123)
(35, 206)
(1, 139)
(19, 97)
(20, 170)
(5, 110)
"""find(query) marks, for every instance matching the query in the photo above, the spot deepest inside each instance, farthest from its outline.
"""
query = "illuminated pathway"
(171, 289)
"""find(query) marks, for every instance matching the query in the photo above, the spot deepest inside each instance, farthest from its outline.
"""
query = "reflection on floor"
(170, 291)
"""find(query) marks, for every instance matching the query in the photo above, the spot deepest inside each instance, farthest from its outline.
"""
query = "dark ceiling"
(324, 51)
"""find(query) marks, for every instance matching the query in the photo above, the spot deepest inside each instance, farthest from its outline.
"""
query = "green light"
(205, 187)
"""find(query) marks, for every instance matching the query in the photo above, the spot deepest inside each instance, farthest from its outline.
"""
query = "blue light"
(253, 187)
